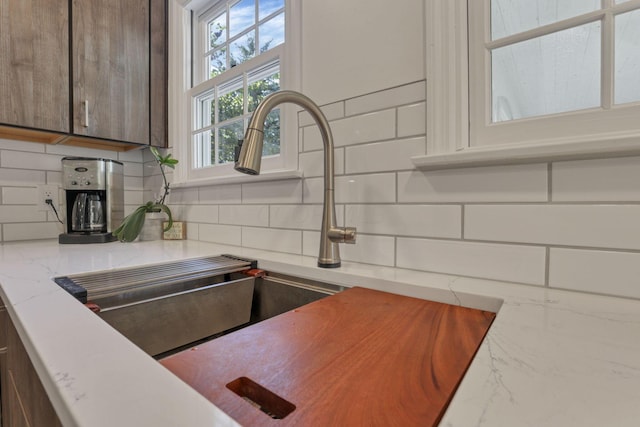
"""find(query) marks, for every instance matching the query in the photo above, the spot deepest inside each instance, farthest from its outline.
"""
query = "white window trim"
(447, 114)
(180, 100)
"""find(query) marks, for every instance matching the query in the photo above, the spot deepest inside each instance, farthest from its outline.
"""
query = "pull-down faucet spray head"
(251, 151)
(251, 156)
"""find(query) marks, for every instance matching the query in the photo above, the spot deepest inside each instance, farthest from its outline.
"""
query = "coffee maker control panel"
(84, 175)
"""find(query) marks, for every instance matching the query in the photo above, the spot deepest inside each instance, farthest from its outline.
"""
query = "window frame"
(449, 144)
(182, 93)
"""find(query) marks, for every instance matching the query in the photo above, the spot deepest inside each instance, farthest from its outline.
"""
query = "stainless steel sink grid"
(102, 285)
(165, 307)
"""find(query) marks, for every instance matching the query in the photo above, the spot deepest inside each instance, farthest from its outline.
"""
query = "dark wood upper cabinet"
(110, 52)
(92, 71)
(34, 64)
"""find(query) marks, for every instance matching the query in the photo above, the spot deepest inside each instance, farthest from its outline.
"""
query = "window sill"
(239, 178)
(510, 154)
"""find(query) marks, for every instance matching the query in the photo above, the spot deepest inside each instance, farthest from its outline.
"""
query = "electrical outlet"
(46, 192)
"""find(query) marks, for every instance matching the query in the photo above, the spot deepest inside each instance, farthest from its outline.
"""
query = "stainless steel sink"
(165, 308)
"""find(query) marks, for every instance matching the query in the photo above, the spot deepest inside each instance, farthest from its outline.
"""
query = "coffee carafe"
(88, 213)
(94, 199)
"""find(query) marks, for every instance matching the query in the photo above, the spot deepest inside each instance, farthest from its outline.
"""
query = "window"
(242, 51)
(551, 69)
(545, 79)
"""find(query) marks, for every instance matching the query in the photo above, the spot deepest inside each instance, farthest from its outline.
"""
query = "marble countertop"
(551, 358)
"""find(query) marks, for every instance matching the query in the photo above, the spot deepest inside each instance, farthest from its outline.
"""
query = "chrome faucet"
(251, 155)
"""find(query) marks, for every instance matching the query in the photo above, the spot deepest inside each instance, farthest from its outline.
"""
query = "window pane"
(217, 62)
(515, 16)
(206, 106)
(627, 54)
(242, 49)
(202, 149)
(242, 15)
(231, 101)
(217, 31)
(550, 74)
(271, 33)
(259, 89)
(271, 145)
(228, 137)
(267, 7)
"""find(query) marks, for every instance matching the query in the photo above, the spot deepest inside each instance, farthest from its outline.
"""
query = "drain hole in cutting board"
(263, 399)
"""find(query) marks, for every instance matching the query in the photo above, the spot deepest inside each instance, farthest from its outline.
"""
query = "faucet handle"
(342, 235)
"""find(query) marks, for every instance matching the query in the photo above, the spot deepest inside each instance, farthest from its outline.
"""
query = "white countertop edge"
(545, 344)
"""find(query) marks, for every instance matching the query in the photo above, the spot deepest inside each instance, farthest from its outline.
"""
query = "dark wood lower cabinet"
(24, 399)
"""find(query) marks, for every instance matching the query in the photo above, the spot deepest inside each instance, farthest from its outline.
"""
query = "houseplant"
(131, 226)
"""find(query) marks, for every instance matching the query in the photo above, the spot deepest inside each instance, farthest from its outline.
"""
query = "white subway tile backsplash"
(379, 250)
(255, 215)
(9, 144)
(19, 196)
(31, 231)
(221, 194)
(521, 183)
(607, 226)
(374, 188)
(378, 126)
(33, 161)
(131, 156)
(193, 231)
(411, 120)
(133, 197)
(272, 239)
(182, 196)
(206, 214)
(599, 180)
(524, 264)
(21, 213)
(133, 169)
(312, 163)
(383, 156)
(224, 234)
(287, 191)
(384, 99)
(604, 272)
(312, 190)
(20, 177)
(331, 112)
(305, 217)
(444, 221)
(133, 183)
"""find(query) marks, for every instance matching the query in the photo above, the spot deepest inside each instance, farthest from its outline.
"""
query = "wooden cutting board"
(358, 358)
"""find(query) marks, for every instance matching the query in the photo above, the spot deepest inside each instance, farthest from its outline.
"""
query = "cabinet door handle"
(85, 104)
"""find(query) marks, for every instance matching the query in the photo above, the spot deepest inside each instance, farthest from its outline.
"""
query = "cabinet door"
(34, 64)
(27, 400)
(111, 69)
(158, 76)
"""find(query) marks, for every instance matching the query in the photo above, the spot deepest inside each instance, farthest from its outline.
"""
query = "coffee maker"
(93, 199)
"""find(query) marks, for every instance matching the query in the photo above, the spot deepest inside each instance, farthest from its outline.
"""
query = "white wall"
(354, 47)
